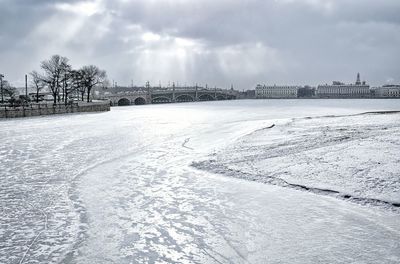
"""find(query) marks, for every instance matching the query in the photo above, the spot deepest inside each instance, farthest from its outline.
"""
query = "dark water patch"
(185, 142)
(259, 130)
(264, 128)
(380, 112)
(349, 115)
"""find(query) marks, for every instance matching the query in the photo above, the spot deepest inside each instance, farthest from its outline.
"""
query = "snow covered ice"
(202, 183)
(354, 156)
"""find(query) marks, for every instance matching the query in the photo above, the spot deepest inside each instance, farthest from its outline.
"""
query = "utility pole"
(173, 92)
(65, 89)
(26, 86)
(196, 97)
(1, 85)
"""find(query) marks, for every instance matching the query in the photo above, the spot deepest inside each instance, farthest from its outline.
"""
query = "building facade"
(387, 91)
(276, 91)
(341, 90)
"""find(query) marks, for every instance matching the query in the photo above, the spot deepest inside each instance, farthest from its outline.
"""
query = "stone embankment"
(52, 109)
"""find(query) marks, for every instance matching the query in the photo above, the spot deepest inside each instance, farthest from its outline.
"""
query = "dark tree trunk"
(57, 90)
(88, 95)
(65, 91)
(66, 96)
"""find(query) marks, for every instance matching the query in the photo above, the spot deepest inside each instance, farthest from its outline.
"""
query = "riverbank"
(53, 109)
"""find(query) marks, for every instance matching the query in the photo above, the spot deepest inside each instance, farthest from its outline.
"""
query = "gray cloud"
(215, 42)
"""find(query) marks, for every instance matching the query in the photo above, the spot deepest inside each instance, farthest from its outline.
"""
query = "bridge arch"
(206, 97)
(123, 101)
(139, 101)
(221, 97)
(161, 100)
(184, 98)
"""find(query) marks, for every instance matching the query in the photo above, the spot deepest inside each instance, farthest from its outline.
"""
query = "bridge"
(167, 95)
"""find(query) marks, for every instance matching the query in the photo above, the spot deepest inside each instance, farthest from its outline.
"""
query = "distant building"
(42, 97)
(249, 94)
(306, 92)
(341, 90)
(387, 91)
(276, 91)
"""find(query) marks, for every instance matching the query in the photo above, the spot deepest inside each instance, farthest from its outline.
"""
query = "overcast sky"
(217, 42)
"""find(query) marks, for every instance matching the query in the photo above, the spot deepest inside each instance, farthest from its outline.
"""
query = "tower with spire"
(148, 87)
(358, 82)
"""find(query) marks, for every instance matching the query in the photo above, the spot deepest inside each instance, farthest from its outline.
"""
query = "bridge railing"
(166, 90)
(180, 89)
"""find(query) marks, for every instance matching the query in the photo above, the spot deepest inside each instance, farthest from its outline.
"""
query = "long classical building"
(387, 91)
(276, 91)
(341, 90)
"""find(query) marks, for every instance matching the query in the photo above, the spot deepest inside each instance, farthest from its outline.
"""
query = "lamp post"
(1, 87)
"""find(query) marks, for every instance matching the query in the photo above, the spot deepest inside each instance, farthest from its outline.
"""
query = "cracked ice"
(118, 187)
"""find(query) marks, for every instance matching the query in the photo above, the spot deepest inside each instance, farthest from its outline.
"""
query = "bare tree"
(68, 86)
(91, 77)
(37, 83)
(77, 83)
(8, 89)
(62, 80)
(55, 70)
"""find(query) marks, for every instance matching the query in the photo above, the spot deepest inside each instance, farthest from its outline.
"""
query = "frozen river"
(119, 187)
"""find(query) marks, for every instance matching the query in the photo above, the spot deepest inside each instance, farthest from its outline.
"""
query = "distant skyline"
(215, 42)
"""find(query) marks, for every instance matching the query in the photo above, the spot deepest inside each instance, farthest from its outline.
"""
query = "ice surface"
(118, 187)
(353, 156)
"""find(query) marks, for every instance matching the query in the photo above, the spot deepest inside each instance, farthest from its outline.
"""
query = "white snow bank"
(354, 157)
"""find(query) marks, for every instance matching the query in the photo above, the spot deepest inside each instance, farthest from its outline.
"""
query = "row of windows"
(343, 91)
(276, 96)
(277, 87)
(278, 92)
(388, 92)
